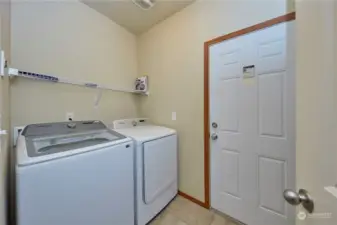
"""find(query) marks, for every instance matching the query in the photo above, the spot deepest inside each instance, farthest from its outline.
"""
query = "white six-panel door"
(253, 158)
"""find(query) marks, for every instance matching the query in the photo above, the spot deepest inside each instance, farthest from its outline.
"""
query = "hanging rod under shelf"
(43, 77)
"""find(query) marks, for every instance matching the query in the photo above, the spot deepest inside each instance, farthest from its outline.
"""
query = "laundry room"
(165, 112)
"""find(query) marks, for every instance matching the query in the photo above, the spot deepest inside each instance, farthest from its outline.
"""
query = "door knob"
(302, 197)
(214, 137)
(214, 125)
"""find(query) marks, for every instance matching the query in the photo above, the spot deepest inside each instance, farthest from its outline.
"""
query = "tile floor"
(184, 212)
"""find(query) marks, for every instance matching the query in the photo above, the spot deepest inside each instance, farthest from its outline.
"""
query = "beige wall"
(5, 109)
(5, 26)
(5, 46)
(171, 53)
(70, 40)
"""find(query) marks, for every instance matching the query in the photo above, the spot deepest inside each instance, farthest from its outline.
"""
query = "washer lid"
(42, 142)
(45, 145)
(146, 133)
(23, 159)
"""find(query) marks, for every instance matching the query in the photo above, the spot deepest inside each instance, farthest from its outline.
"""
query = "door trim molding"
(192, 199)
(288, 17)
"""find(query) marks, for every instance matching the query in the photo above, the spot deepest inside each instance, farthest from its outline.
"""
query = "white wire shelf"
(49, 78)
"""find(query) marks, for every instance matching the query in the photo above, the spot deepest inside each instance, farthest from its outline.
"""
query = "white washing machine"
(77, 173)
(156, 165)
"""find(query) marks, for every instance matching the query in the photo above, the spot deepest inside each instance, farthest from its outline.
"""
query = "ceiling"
(133, 18)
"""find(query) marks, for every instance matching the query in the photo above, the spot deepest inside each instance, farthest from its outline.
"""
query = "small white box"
(174, 116)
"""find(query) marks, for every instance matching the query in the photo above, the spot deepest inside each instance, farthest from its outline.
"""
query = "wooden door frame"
(207, 44)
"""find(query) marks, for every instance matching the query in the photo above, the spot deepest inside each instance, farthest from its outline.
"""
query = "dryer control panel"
(127, 123)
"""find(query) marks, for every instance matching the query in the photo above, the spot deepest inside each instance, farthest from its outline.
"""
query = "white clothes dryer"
(156, 165)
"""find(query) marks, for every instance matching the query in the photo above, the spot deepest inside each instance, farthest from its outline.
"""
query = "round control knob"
(71, 125)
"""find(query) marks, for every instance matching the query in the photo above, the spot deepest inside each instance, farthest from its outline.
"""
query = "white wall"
(171, 53)
(316, 112)
(69, 39)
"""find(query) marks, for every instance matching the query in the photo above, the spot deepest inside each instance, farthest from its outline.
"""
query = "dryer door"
(159, 166)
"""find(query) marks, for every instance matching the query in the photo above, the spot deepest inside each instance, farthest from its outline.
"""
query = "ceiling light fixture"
(144, 4)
